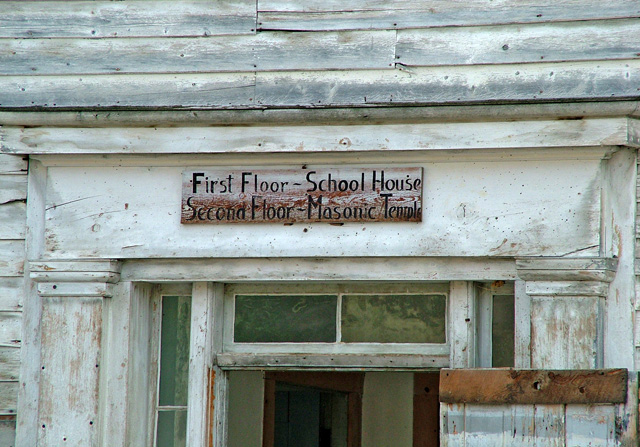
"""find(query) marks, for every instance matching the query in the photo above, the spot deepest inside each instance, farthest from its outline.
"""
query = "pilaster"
(71, 334)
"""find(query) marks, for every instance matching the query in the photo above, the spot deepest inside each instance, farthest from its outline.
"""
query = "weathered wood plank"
(12, 256)
(9, 363)
(68, 403)
(564, 332)
(94, 19)
(567, 288)
(550, 426)
(269, 51)
(319, 269)
(13, 164)
(463, 84)
(329, 362)
(570, 41)
(8, 397)
(511, 386)
(13, 220)
(452, 428)
(446, 85)
(485, 425)
(218, 90)
(297, 139)
(592, 425)
(10, 329)
(462, 322)
(11, 293)
(13, 188)
(7, 430)
(520, 427)
(389, 14)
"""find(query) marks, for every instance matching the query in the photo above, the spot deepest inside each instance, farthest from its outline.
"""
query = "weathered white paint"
(319, 269)
(96, 19)
(13, 188)
(522, 336)
(12, 164)
(10, 328)
(564, 41)
(13, 218)
(592, 425)
(450, 85)
(11, 293)
(302, 139)
(9, 363)
(462, 323)
(387, 409)
(8, 395)
(452, 425)
(12, 255)
(549, 425)
(389, 14)
(462, 201)
(260, 52)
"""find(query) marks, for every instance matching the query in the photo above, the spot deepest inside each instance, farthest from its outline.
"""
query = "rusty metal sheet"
(512, 386)
(330, 195)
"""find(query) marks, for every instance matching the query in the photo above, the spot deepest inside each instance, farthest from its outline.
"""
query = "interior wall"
(246, 400)
(387, 409)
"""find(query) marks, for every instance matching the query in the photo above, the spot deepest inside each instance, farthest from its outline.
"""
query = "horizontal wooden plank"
(94, 19)
(319, 269)
(448, 85)
(570, 41)
(300, 139)
(9, 363)
(13, 188)
(12, 256)
(10, 329)
(401, 87)
(389, 14)
(329, 362)
(13, 164)
(220, 90)
(13, 217)
(11, 293)
(509, 386)
(262, 52)
(8, 430)
(8, 397)
(567, 288)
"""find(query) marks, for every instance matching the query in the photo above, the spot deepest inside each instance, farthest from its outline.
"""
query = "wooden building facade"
(505, 315)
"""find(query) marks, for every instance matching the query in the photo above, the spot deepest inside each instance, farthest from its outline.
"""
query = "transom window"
(333, 317)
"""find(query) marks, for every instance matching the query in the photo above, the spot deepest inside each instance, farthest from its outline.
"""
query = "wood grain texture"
(403, 86)
(13, 219)
(13, 164)
(570, 41)
(591, 425)
(9, 363)
(13, 188)
(10, 329)
(294, 139)
(380, 14)
(549, 423)
(328, 362)
(96, 19)
(8, 397)
(511, 386)
(272, 51)
(11, 293)
(12, 256)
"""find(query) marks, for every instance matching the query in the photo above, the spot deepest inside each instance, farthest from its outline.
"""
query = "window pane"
(172, 429)
(285, 318)
(174, 354)
(503, 328)
(393, 318)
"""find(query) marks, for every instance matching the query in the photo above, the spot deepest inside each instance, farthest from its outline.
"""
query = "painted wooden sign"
(332, 195)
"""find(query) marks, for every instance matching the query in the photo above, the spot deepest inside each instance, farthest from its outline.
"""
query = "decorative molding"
(81, 278)
(566, 269)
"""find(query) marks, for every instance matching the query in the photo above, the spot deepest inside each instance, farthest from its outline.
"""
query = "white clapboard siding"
(388, 14)
(410, 86)
(10, 329)
(9, 363)
(12, 255)
(152, 90)
(267, 51)
(13, 188)
(11, 291)
(8, 396)
(572, 41)
(13, 220)
(126, 18)
(300, 139)
(12, 164)
(450, 85)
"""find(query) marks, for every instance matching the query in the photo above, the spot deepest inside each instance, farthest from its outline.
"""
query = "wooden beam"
(512, 386)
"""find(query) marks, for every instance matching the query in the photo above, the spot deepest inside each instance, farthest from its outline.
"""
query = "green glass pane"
(172, 429)
(174, 350)
(393, 318)
(502, 330)
(285, 318)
